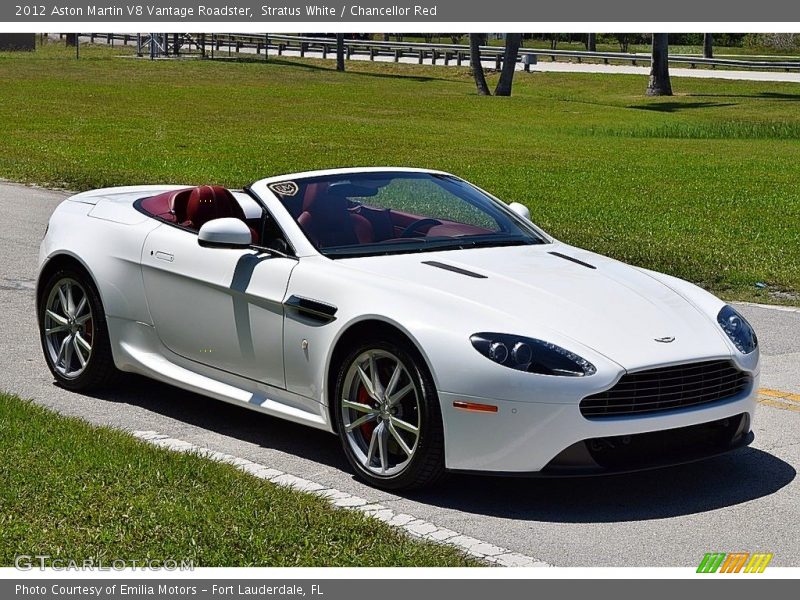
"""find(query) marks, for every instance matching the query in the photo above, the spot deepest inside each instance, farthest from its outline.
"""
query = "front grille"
(667, 388)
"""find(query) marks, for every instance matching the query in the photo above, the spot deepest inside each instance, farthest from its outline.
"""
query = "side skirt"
(137, 349)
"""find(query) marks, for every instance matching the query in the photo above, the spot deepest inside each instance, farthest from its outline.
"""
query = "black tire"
(427, 464)
(99, 371)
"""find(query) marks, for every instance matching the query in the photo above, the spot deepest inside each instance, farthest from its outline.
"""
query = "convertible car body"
(428, 324)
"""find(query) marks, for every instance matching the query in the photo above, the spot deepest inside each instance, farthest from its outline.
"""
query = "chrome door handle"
(164, 256)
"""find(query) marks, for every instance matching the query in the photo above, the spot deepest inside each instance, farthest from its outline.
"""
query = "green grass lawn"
(703, 185)
(74, 492)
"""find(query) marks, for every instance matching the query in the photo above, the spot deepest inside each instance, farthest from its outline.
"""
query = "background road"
(745, 501)
(543, 66)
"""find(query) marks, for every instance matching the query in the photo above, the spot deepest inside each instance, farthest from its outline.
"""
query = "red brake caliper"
(368, 427)
(88, 329)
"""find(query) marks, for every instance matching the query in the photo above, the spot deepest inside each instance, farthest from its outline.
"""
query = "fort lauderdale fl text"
(201, 10)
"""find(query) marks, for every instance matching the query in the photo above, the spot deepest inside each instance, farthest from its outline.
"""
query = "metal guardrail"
(207, 44)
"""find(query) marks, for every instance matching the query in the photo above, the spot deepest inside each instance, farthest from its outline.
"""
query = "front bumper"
(549, 438)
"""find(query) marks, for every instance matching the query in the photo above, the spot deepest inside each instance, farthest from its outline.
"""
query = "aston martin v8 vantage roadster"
(429, 325)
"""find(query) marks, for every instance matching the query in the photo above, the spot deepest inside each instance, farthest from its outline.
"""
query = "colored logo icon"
(736, 562)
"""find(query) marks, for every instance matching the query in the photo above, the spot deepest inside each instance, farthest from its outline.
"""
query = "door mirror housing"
(225, 233)
(521, 210)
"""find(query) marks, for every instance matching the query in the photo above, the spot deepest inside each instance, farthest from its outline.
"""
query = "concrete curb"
(780, 307)
(409, 524)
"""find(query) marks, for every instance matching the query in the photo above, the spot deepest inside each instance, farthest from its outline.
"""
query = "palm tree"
(340, 52)
(475, 41)
(513, 41)
(659, 83)
(708, 45)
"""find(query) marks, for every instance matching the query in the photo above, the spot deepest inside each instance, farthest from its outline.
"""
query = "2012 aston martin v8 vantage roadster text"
(426, 323)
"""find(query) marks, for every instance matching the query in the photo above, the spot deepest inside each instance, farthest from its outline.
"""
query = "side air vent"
(314, 309)
(573, 259)
(446, 267)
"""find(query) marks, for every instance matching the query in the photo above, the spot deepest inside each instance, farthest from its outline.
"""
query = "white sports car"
(428, 324)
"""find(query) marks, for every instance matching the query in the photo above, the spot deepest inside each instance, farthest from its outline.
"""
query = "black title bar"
(422, 11)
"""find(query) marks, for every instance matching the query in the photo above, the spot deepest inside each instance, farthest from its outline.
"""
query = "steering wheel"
(411, 230)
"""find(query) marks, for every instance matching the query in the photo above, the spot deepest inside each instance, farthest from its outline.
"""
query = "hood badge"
(665, 340)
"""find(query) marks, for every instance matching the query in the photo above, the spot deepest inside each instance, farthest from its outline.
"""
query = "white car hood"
(614, 309)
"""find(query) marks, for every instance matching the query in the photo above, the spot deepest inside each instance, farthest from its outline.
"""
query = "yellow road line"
(777, 404)
(785, 396)
(773, 393)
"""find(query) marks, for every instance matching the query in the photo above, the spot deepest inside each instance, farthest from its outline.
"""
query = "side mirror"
(521, 210)
(225, 233)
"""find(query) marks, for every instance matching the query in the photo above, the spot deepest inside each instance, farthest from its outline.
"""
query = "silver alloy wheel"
(381, 412)
(68, 328)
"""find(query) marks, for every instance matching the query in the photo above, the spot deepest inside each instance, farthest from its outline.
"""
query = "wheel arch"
(57, 261)
(352, 334)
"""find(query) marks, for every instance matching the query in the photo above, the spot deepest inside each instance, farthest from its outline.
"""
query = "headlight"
(737, 329)
(531, 355)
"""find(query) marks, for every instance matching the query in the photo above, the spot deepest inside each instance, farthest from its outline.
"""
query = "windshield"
(365, 214)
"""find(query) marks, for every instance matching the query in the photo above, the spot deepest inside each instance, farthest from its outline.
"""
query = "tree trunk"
(591, 42)
(475, 40)
(340, 52)
(72, 39)
(659, 84)
(509, 64)
(708, 45)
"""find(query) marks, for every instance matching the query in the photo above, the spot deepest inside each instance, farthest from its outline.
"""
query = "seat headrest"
(314, 192)
(208, 202)
(178, 201)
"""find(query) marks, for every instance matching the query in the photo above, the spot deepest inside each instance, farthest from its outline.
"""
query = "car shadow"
(228, 419)
(724, 481)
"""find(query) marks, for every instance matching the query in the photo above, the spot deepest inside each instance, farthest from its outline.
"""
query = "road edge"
(419, 528)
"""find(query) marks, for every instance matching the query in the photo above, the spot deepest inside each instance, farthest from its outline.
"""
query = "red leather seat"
(194, 207)
(163, 205)
(205, 203)
(208, 202)
(327, 220)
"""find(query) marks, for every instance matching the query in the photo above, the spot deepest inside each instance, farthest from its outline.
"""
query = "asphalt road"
(745, 501)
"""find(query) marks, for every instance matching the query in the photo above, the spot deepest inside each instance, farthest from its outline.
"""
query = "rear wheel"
(73, 332)
(388, 416)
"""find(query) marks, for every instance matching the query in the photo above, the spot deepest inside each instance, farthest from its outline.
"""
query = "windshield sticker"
(285, 188)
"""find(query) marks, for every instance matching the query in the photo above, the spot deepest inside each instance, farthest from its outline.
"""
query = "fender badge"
(286, 188)
(665, 340)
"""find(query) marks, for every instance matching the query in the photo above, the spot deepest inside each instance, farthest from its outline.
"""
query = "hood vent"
(446, 267)
(572, 259)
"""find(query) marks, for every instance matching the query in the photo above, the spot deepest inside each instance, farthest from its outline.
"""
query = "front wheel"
(73, 332)
(388, 416)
